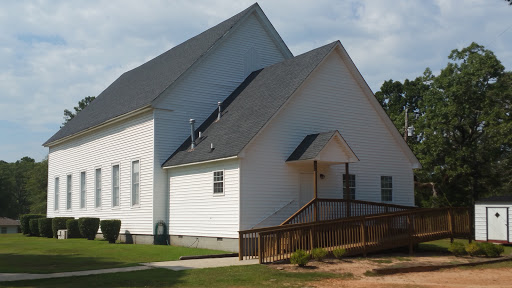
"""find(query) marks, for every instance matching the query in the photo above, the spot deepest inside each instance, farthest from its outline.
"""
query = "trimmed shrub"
(24, 221)
(72, 226)
(88, 227)
(318, 254)
(491, 250)
(473, 249)
(339, 252)
(45, 227)
(59, 223)
(300, 257)
(457, 248)
(34, 227)
(110, 229)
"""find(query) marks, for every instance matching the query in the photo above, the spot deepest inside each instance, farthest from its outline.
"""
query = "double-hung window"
(351, 184)
(97, 188)
(218, 182)
(68, 191)
(135, 182)
(115, 186)
(82, 189)
(386, 188)
(56, 204)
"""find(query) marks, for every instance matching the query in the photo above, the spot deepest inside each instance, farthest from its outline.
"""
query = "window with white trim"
(386, 188)
(218, 182)
(97, 188)
(56, 204)
(68, 192)
(351, 184)
(135, 182)
(115, 186)
(82, 189)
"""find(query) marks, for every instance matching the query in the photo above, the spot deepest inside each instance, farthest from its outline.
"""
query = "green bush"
(457, 248)
(300, 257)
(59, 223)
(24, 222)
(339, 252)
(34, 227)
(45, 227)
(491, 250)
(474, 249)
(88, 227)
(110, 229)
(72, 226)
(318, 254)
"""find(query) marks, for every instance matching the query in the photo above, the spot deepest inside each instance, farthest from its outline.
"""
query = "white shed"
(492, 218)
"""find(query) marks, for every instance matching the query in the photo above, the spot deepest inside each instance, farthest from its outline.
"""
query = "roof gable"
(248, 109)
(139, 87)
(325, 147)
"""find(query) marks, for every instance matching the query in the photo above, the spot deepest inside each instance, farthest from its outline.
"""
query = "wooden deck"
(356, 234)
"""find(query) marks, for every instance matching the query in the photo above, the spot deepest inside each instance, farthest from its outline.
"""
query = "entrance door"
(497, 224)
(306, 188)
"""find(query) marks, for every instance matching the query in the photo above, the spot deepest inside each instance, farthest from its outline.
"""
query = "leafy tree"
(7, 209)
(37, 185)
(68, 115)
(463, 128)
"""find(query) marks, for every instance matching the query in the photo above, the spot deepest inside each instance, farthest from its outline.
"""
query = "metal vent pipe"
(192, 133)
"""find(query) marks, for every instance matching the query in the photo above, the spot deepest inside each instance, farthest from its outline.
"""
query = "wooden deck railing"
(329, 209)
(358, 235)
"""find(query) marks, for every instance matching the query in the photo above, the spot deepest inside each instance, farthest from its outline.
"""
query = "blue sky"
(54, 53)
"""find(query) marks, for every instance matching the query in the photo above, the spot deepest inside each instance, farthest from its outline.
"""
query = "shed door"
(306, 188)
(497, 224)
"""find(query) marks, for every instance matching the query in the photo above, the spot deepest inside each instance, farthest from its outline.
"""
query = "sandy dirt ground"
(358, 267)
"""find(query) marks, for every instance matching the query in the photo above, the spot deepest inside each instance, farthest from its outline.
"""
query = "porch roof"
(329, 147)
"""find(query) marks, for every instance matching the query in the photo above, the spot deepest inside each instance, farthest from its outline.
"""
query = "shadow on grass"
(41, 264)
(234, 276)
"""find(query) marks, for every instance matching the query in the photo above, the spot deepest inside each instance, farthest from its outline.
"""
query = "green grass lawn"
(22, 254)
(234, 276)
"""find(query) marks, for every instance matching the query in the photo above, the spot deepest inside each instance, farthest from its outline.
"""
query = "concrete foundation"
(224, 244)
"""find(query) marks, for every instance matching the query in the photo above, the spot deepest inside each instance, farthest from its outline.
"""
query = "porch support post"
(315, 181)
(347, 190)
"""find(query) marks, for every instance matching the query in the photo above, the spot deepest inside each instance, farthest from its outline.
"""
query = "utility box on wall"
(62, 234)
(492, 218)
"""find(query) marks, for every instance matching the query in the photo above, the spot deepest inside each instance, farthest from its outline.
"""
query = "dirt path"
(490, 277)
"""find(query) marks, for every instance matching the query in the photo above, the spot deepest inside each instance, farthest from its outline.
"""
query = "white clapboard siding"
(331, 99)
(196, 95)
(118, 143)
(481, 218)
(195, 210)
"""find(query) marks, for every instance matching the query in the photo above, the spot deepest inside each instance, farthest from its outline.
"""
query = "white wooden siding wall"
(330, 100)
(194, 210)
(197, 94)
(119, 143)
(481, 218)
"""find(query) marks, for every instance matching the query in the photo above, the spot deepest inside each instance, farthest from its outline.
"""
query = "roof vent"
(220, 110)
(192, 134)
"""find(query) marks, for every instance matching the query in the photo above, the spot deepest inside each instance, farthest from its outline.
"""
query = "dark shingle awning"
(326, 147)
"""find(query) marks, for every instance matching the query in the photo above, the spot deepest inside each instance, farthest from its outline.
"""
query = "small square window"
(218, 182)
(4, 230)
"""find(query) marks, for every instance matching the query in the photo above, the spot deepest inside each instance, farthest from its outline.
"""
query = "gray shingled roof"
(4, 221)
(249, 108)
(137, 88)
(311, 146)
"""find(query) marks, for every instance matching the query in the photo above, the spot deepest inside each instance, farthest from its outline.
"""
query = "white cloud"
(54, 53)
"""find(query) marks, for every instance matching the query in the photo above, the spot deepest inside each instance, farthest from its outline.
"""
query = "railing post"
(410, 232)
(363, 235)
(260, 248)
(312, 238)
(240, 246)
(451, 221)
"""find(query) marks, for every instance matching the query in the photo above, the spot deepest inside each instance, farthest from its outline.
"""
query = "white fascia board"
(202, 162)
